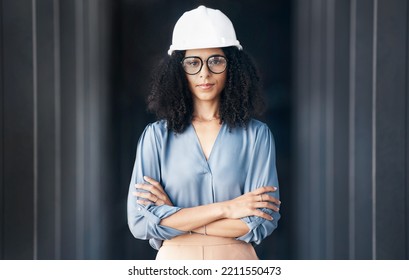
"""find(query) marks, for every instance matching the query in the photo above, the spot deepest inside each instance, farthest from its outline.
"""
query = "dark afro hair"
(171, 99)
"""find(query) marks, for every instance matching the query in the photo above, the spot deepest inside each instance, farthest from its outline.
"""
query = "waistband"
(201, 240)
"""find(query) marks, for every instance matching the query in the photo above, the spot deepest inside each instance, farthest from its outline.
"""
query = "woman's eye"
(192, 63)
(216, 61)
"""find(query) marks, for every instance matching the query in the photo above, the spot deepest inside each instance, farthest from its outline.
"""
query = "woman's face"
(206, 85)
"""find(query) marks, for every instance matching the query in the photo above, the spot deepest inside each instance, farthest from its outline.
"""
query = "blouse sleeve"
(144, 221)
(262, 172)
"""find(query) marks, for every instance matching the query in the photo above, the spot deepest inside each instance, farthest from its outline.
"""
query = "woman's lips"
(205, 86)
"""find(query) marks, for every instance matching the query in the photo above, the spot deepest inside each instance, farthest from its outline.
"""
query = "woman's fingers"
(152, 189)
(263, 215)
(153, 182)
(265, 204)
(143, 202)
(152, 195)
(147, 195)
(154, 192)
(268, 198)
(149, 198)
(261, 195)
(264, 190)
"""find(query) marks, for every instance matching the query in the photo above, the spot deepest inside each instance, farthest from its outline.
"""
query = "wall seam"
(314, 76)
(88, 127)
(407, 133)
(329, 129)
(2, 186)
(94, 141)
(80, 127)
(374, 76)
(57, 129)
(352, 97)
(35, 130)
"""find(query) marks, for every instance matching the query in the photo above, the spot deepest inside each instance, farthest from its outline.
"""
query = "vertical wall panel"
(69, 131)
(361, 130)
(81, 124)
(329, 127)
(302, 217)
(98, 213)
(340, 129)
(1, 137)
(57, 125)
(316, 105)
(46, 131)
(390, 134)
(18, 97)
(87, 229)
(407, 133)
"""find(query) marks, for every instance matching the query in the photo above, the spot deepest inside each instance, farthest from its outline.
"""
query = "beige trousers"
(204, 247)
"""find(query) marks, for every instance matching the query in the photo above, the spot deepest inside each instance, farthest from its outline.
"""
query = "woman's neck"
(206, 111)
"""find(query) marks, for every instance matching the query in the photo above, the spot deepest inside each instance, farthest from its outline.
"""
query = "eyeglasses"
(193, 64)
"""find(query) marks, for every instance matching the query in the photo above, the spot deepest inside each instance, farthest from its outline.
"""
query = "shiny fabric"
(241, 160)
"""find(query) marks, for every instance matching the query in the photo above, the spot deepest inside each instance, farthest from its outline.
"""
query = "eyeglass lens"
(215, 63)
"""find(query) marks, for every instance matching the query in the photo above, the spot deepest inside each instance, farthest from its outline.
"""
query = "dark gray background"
(74, 76)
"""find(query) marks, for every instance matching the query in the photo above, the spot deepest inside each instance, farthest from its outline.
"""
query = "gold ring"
(261, 197)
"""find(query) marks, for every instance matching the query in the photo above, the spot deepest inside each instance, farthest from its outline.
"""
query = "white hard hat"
(203, 28)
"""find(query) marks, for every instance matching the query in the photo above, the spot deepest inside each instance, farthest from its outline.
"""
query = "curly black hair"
(171, 99)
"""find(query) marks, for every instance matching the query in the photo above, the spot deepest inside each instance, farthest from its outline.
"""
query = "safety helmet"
(203, 28)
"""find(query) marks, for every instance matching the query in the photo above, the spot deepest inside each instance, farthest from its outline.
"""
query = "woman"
(204, 183)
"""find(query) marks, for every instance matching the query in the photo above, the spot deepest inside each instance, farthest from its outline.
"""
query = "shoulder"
(253, 126)
(158, 127)
(254, 130)
(156, 131)
(260, 132)
(256, 126)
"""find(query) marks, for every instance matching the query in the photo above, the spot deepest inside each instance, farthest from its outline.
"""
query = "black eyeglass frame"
(202, 63)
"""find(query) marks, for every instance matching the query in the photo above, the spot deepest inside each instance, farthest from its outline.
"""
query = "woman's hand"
(248, 204)
(155, 193)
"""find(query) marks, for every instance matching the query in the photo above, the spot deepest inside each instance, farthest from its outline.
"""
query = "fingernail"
(145, 178)
(275, 188)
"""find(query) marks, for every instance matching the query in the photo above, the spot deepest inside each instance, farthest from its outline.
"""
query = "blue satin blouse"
(241, 160)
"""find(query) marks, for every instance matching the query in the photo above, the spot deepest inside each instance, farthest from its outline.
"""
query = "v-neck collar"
(199, 145)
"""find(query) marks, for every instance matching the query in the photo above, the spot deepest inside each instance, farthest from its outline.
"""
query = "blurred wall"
(74, 76)
(55, 149)
(351, 123)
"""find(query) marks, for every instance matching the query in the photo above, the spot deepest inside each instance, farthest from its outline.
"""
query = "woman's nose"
(204, 72)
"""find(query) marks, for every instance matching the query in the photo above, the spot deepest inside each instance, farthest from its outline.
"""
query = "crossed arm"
(218, 219)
